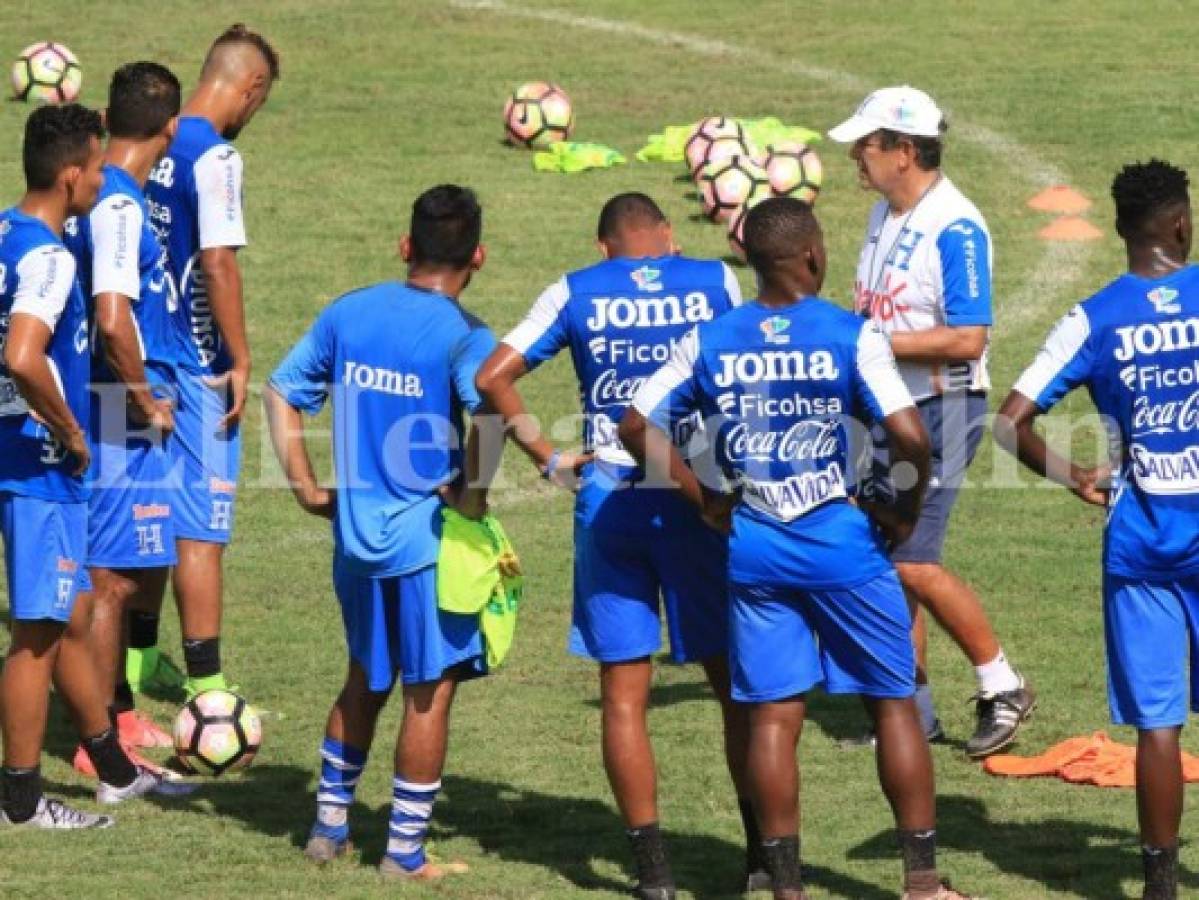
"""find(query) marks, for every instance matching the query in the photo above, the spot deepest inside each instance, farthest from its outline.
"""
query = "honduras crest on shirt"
(621, 320)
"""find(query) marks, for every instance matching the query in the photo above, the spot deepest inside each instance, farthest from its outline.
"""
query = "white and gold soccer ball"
(46, 72)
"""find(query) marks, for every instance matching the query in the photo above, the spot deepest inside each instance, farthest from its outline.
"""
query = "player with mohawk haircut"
(1134, 346)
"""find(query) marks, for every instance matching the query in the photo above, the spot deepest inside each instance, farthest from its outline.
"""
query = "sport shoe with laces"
(1000, 716)
(164, 678)
(146, 782)
(55, 814)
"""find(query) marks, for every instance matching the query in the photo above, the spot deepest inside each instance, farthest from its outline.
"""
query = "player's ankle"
(781, 857)
(997, 676)
(202, 658)
(919, 850)
(1161, 872)
(649, 856)
(22, 790)
(112, 764)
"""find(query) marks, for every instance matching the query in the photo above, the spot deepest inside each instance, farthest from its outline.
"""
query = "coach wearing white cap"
(924, 276)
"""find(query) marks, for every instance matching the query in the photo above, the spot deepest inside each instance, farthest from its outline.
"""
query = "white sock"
(997, 676)
(924, 705)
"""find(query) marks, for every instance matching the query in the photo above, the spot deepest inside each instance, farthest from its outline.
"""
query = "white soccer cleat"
(56, 814)
(146, 782)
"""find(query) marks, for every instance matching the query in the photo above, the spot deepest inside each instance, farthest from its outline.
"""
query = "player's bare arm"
(1015, 433)
(118, 337)
(222, 277)
(287, 436)
(941, 344)
(910, 448)
(25, 357)
(496, 382)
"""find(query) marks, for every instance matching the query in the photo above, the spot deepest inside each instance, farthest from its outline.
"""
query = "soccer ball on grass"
(538, 114)
(727, 184)
(46, 72)
(217, 732)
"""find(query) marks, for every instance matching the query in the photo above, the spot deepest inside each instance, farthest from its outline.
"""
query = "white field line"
(1060, 264)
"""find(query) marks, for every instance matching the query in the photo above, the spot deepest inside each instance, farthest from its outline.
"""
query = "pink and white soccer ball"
(538, 114)
(46, 72)
(217, 732)
(727, 184)
(794, 170)
(706, 131)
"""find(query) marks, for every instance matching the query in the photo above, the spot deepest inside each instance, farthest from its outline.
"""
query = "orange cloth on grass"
(1091, 759)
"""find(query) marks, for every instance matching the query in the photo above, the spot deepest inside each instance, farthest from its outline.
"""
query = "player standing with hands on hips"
(924, 278)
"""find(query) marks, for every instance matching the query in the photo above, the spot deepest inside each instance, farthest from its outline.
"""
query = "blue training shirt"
(37, 277)
(621, 319)
(118, 251)
(195, 198)
(780, 390)
(401, 363)
(1135, 347)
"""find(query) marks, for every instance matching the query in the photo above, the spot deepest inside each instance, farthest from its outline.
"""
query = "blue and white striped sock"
(411, 809)
(341, 768)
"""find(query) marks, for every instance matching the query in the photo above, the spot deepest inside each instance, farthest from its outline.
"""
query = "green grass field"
(380, 100)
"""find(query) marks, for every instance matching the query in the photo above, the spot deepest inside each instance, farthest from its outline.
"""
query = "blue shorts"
(205, 463)
(129, 524)
(44, 546)
(956, 424)
(1152, 635)
(619, 577)
(393, 625)
(785, 641)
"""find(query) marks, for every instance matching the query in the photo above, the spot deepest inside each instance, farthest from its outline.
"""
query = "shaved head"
(240, 53)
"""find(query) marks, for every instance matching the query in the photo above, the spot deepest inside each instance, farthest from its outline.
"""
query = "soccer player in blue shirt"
(784, 384)
(400, 363)
(195, 196)
(122, 270)
(1134, 346)
(620, 319)
(43, 458)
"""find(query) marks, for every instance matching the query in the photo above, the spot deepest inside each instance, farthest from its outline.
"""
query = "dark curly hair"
(1143, 191)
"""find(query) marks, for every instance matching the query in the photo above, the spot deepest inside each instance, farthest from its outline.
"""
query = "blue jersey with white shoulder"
(401, 364)
(621, 319)
(195, 198)
(1135, 347)
(37, 278)
(118, 251)
(780, 390)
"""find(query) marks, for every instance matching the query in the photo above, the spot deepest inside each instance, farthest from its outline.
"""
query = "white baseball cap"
(903, 109)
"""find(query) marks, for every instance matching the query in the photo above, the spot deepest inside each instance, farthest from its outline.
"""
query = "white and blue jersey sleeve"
(116, 227)
(304, 376)
(965, 254)
(878, 386)
(1063, 363)
(672, 391)
(45, 277)
(544, 331)
(732, 287)
(218, 188)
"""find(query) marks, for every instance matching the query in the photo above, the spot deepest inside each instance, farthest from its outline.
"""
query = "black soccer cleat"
(999, 718)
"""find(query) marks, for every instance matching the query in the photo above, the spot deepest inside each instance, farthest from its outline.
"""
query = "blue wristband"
(551, 465)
